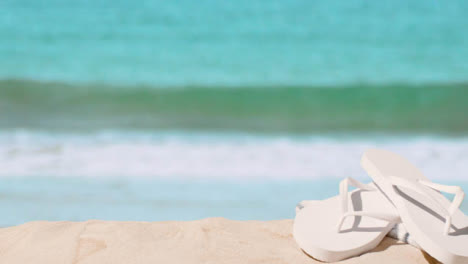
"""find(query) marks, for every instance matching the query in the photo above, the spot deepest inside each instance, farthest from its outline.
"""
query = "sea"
(156, 110)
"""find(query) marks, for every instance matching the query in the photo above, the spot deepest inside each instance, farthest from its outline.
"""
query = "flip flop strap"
(346, 212)
(419, 188)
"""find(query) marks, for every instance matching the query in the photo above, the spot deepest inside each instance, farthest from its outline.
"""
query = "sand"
(212, 240)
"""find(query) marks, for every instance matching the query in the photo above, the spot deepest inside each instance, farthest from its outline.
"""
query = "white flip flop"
(435, 223)
(398, 232)
(346, 225)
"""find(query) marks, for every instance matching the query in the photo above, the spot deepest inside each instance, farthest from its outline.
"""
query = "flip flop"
(436, 224)
(346, 225)
(398, 232)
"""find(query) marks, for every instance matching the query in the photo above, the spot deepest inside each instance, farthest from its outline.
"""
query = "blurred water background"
(178, 110)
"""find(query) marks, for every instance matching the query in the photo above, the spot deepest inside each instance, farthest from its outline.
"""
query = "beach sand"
(212, 240)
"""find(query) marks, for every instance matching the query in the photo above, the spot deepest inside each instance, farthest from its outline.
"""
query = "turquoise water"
(178, 110)
(27, 199)
(258, 66)
(242, 43)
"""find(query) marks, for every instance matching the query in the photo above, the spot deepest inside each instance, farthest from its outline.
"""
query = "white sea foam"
(217, 156)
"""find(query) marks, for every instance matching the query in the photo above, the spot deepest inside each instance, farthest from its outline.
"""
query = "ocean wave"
(431, 108)
(217, 156)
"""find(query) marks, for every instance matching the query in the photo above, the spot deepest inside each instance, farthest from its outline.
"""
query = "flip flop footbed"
(398, 232)
(315, 226)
